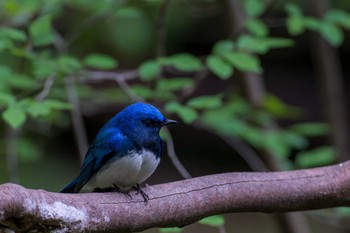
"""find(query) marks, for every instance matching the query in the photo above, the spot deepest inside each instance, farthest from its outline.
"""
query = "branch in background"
(254, 88)
(46, 88)
(161, 29)
(246, 153)
(175, 204)
(327, 65)
(77, 118)
(173, 156)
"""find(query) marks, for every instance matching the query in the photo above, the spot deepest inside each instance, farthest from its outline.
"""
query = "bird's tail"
(70, 188)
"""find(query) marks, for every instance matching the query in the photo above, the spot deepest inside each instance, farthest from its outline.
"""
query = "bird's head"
(141, 120)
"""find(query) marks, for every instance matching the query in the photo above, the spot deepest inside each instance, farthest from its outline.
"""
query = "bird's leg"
(138, 189)
(119, 190)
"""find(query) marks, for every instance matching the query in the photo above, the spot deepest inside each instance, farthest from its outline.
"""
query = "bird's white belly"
(124, 172)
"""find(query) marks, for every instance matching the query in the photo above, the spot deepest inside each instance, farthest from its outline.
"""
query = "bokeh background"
(256, 85)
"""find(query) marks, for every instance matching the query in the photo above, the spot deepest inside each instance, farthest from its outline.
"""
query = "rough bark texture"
(174, 204)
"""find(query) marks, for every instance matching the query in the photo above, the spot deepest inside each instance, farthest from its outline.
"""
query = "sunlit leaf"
(149, 70)
(214, 221)
(244, 61)
(257, 27)
(317, 157)
(251, 44)
(6, 99)
(310, 129)
(170, 230)
(13, 33)
(223, 46)
(219, 67)
(142, 91)
(14, 116)
(332, 33)
(173, 84)
(296, 25)
(183, 62)
(22, 82)
(293, 9)
(187, 114)
(205, 102)
(41, 31)
(100, 61)
(340, 17)
(68, 64)
(253, 8)
(313, 23)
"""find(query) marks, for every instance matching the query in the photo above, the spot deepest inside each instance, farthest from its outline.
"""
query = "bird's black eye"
(148, 122)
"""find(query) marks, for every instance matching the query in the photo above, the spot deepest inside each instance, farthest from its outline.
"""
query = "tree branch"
(177, 203)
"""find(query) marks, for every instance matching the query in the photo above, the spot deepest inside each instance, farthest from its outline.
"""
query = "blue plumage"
(126, 151)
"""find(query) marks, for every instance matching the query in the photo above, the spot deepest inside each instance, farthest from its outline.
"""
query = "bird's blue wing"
(108, 143)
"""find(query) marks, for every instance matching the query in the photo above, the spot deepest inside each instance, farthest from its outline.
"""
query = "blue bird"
(126, 151)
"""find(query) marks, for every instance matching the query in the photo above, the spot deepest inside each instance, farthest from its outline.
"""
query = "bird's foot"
(139, 190)
(119, 190)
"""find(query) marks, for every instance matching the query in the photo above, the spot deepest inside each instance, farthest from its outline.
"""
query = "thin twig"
(173, 157)
(78, 124)
(106, 75)
(161, 28)
(46, 88)
(246, 153)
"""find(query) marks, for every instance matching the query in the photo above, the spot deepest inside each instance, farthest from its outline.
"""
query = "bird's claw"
(139, 190)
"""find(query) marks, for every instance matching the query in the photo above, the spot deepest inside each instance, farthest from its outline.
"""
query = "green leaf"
(187, 114)
(294, 140)
(14, 116)
(170, 229)
(100, 61)
(340, 17)
(41, 31)
(274, 142)
(293, 9)
(22, 82)
(13, 34)
(38, 109)
(219, 67)
(257, 27)
(149, 70)
(205, 102)
(317, 157)
(276, 43)
(276, 106)
(296, 25)
(68, 64)
(253, 8)
(251, 44)
(313, 23)
(310, 129)
(244, 61)
(174, 84)
(332, 33)
(183, 62)
(214, 221)
(57, 104)
(223, 46)
(142, 91)
(6, 99)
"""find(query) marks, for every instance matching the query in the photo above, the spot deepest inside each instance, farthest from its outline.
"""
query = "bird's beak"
(169, 122)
